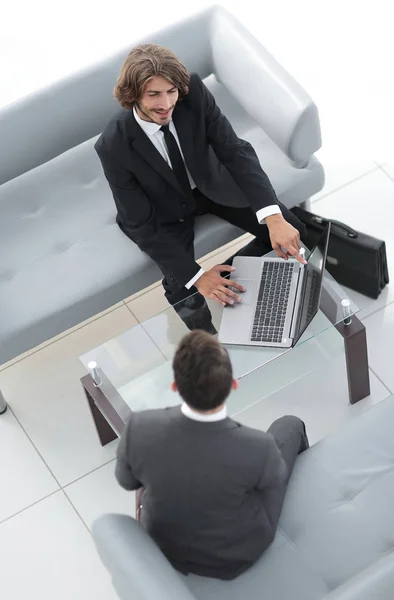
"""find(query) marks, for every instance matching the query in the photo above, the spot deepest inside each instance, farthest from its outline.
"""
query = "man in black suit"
(171, 155)
(213, 488)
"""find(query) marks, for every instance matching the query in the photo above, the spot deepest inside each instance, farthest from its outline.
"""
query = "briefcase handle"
(345, 228)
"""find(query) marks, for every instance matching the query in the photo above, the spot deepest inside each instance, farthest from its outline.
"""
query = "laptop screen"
(312, 283)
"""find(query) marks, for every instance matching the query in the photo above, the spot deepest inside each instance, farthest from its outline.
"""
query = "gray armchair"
(63, 259)
(335, 539)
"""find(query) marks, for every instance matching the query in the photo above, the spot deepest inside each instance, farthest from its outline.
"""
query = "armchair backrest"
(138, 568)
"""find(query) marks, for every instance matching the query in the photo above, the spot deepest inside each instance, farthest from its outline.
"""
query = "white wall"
(340, 50)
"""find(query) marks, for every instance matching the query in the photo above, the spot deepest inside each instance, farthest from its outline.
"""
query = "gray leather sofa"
(335, 539)
(63, 259)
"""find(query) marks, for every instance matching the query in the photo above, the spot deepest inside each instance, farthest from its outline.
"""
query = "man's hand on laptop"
(284, 235)
(212, 285)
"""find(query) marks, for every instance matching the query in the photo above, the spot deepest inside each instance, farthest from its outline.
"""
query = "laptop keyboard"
(271, 308)
(313, 295)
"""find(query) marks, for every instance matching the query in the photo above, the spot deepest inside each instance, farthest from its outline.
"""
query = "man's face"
(158, 101)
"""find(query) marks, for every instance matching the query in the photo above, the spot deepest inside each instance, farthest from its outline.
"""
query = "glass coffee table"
(133, 371)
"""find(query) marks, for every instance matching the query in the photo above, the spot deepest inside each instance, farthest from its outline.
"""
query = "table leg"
(3, 404)
(356, 353)
(104, 430)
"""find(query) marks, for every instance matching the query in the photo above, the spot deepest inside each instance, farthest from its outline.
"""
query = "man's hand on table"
(212, 285)
(284, 235)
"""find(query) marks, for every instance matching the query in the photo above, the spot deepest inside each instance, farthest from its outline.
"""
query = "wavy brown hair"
(144, 62)
(202, 371)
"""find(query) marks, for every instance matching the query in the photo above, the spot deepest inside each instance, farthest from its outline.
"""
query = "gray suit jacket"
(204, 486)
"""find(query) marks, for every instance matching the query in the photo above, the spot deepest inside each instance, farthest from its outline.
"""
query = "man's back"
(204, 488)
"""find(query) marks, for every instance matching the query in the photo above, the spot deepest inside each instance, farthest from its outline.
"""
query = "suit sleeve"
(237, 155)
(123, 470)
(139, 223)
(274, 467)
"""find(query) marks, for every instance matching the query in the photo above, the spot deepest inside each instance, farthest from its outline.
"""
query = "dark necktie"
(178, 165)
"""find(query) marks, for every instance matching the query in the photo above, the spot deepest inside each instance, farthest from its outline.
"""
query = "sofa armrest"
(138, 567)
(265, 90)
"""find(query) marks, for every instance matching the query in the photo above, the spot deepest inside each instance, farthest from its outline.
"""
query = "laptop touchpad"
(251, 288)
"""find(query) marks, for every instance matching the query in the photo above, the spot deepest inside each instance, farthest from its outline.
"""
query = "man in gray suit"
(214, 488)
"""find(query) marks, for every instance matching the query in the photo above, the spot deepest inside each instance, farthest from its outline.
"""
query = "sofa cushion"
(63, 258)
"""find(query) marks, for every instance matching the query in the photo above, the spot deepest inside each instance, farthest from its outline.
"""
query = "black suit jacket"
(208, 488)
(147, 194)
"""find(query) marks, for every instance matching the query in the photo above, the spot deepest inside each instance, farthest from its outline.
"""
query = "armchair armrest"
(376, 581)
(265, 90)
(138, 567)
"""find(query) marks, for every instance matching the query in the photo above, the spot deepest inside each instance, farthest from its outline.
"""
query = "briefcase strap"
(345, 228)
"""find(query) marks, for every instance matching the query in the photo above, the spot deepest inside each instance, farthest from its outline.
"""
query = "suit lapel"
(149, 153)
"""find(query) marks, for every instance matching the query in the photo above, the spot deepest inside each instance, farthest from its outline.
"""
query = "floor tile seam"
(25, 508)
(374, 312)
(70, 483)
(35, 448)
(62, 335)
(381, 167)
(358, 178)
(60, 489)
(380, 380)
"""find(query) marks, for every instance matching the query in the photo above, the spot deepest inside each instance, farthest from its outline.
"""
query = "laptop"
(281, 299)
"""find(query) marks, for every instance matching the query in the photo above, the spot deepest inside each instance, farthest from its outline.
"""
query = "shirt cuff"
(267, 211)
(192, 281)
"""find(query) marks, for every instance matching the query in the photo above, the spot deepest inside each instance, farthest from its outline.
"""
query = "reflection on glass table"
(134, 371)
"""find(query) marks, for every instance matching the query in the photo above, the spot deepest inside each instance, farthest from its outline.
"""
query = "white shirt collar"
(191, 414)
(146, 126)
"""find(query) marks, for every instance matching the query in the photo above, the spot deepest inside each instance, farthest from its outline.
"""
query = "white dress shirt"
(195, 416)
(156, 136)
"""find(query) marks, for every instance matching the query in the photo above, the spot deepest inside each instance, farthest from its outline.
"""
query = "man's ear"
(235, 384)
(173, 387)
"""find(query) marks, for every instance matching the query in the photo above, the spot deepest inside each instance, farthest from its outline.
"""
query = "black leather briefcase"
(354, 259)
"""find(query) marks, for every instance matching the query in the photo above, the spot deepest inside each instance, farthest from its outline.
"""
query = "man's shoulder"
(196, 87)
(195, 81)
(252, 435)
(153, 417)
(114, 131)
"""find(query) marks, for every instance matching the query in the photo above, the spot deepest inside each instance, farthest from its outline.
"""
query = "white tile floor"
(55, 477)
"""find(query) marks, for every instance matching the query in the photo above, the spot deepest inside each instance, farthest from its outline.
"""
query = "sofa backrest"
(46, 123)
(269, 94)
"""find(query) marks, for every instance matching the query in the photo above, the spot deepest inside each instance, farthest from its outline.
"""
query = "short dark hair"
(202, 370)
(141, 64)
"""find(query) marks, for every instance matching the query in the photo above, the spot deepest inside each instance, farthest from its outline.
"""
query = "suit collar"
(225, 424)
(195, 416)
(143, 145)
(146, 126)
(141, 142)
